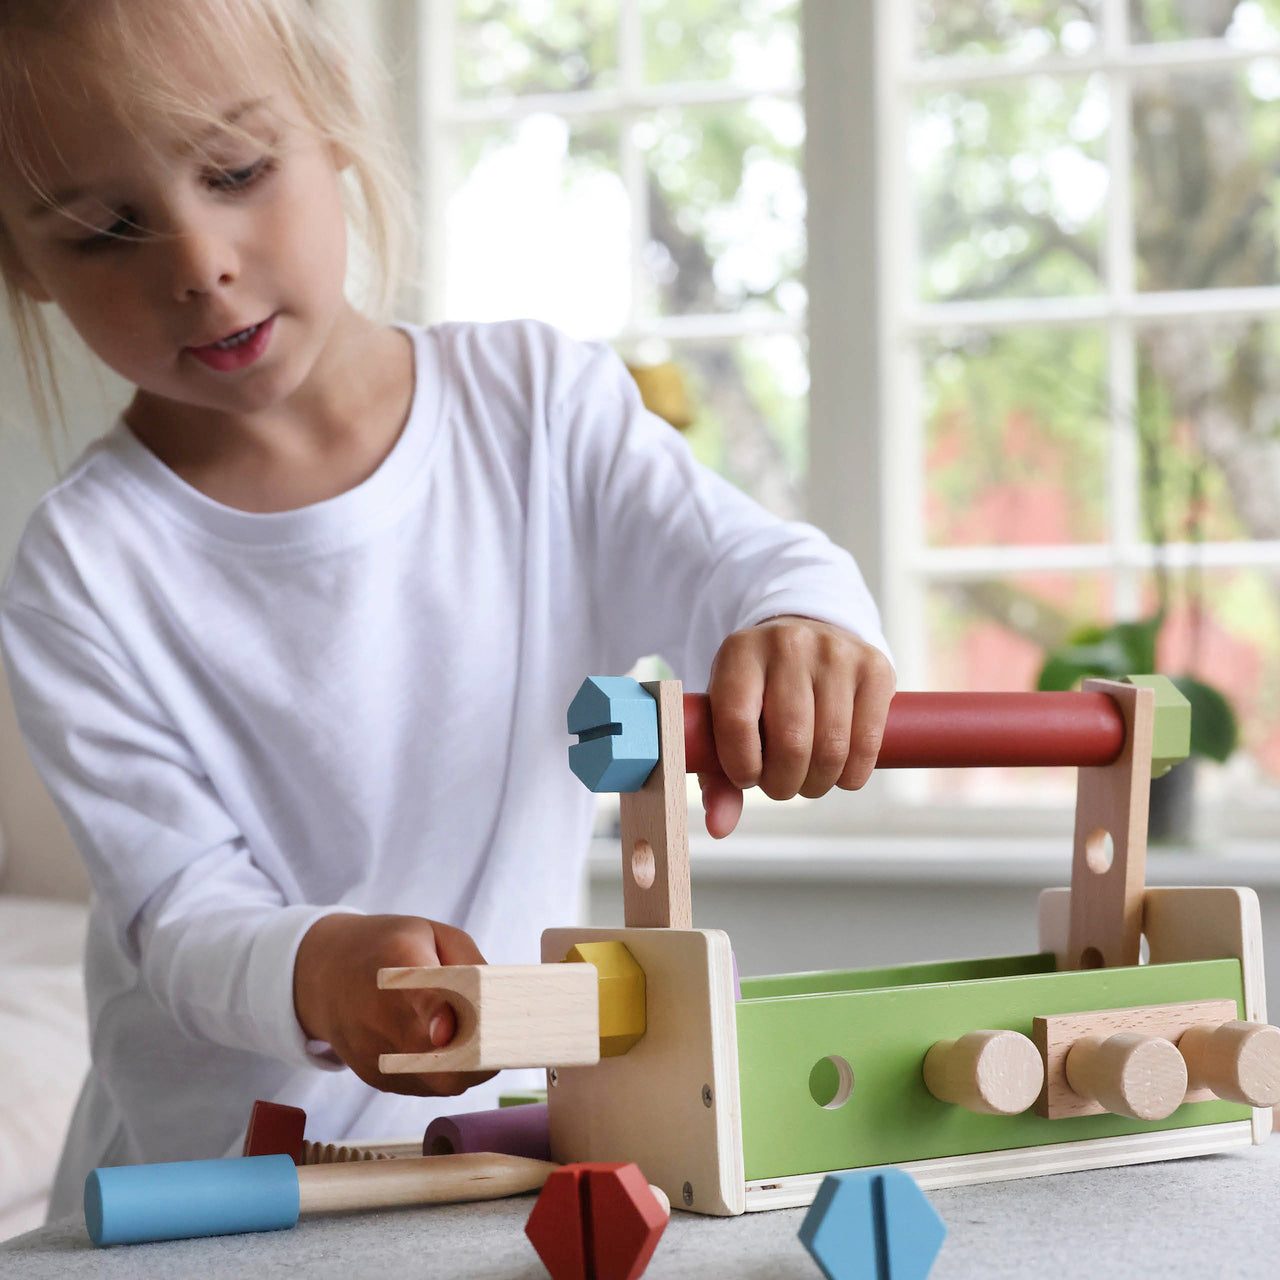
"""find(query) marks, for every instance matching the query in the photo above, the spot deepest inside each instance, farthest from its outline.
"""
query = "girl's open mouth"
(237, 350)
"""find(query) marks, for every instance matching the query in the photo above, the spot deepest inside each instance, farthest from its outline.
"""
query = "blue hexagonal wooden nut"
(872, 1224)
(616, 721)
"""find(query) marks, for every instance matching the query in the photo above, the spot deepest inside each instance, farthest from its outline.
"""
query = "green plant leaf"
(1215, 732)
(1125, 649)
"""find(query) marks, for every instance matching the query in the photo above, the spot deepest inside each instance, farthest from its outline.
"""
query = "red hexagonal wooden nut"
(596, 1222)
(275, 1130)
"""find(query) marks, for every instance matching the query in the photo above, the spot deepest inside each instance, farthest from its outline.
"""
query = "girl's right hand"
(336, 995)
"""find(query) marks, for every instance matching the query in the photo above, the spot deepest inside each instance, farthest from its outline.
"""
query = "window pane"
(1016, 438)
(991, 636)
(750, 401)
(748, 42)
(726, 208)
(1011, 183)
(1247, 23)
(1020, 29)
(1224, 627)
(535, 46)
(1206, 200)
(1208, 419)
(538, 226)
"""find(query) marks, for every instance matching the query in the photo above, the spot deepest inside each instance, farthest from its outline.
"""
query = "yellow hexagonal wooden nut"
(622, 1009)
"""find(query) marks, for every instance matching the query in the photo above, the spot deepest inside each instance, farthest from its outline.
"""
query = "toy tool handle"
(178, 1201)
(958, 730)
(418, 1180)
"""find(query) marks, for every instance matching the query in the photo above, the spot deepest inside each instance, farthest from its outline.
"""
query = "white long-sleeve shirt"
(250, 720)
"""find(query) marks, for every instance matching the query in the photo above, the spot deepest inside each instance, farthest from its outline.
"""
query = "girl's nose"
(203, 261)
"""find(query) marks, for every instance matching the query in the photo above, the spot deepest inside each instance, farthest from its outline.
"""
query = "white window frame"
(864, 323)
(911, 567)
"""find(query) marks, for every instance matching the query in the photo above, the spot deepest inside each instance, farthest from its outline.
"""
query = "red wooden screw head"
(596, 1222)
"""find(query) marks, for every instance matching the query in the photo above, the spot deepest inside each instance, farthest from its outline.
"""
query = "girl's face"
(206, 266)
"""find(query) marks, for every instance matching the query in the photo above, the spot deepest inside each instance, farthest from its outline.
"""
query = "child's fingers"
(736, 695)
(722, 803)
(870, 708)
(787, 729)
(437, 1084)
(832, 725)
(453, 946)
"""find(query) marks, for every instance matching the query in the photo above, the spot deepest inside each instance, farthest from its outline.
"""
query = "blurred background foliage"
(1010, 193)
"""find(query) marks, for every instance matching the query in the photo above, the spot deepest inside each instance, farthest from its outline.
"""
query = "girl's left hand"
(797, 706)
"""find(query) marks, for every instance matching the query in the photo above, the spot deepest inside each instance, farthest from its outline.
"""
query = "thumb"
(722, 802)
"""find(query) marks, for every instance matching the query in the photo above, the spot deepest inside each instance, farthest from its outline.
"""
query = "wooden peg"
(995, 1073)
(655, 827)
(515, 1015)
(1129, 1074)
(1238, 1061)
(1109, 864)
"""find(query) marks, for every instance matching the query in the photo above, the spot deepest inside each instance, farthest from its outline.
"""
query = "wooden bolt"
(1239, 1061)
(1130, 1074)
(995, 1073)
(622, 994)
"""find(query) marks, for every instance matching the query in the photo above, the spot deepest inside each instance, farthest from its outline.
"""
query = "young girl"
(293, 642)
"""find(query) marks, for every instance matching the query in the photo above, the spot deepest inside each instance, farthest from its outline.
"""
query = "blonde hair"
(342, 97)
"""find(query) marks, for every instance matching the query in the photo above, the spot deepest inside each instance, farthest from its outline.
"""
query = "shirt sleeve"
(682, 557)
(210, 932)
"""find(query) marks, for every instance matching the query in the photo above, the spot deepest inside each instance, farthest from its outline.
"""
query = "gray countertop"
(1197, 1219)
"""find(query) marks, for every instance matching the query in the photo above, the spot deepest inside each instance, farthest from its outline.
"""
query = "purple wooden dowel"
(510, 1131)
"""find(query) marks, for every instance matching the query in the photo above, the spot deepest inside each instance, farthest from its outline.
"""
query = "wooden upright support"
(1109, 865)
(655, 828)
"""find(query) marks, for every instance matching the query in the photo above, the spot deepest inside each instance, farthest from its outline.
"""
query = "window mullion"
(1122, 378)
(631, 160)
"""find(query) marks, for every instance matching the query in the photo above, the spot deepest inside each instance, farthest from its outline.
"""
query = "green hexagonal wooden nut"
(1171, 730)
(622, 994)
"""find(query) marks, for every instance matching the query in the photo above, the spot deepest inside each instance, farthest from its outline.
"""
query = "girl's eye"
(123, 230)
(241, 179)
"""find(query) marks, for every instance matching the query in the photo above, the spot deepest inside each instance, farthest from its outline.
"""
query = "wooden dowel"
(997, 1073)
(1130, 1074)
(1239, 1061)
(373, 1184)
(965, 730)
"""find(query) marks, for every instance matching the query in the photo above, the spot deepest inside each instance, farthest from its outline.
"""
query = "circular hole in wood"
(1099, 850)
(1091, 958)
(831, 1082)
(643, 868)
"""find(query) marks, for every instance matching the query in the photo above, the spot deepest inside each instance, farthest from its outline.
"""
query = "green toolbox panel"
(883, 1033)
(899, 975)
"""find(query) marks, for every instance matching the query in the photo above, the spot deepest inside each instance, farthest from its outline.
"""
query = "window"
(989, 289)
(653, 147)
(1083, 343)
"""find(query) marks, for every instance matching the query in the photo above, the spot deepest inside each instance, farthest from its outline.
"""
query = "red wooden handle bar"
(958, 730)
